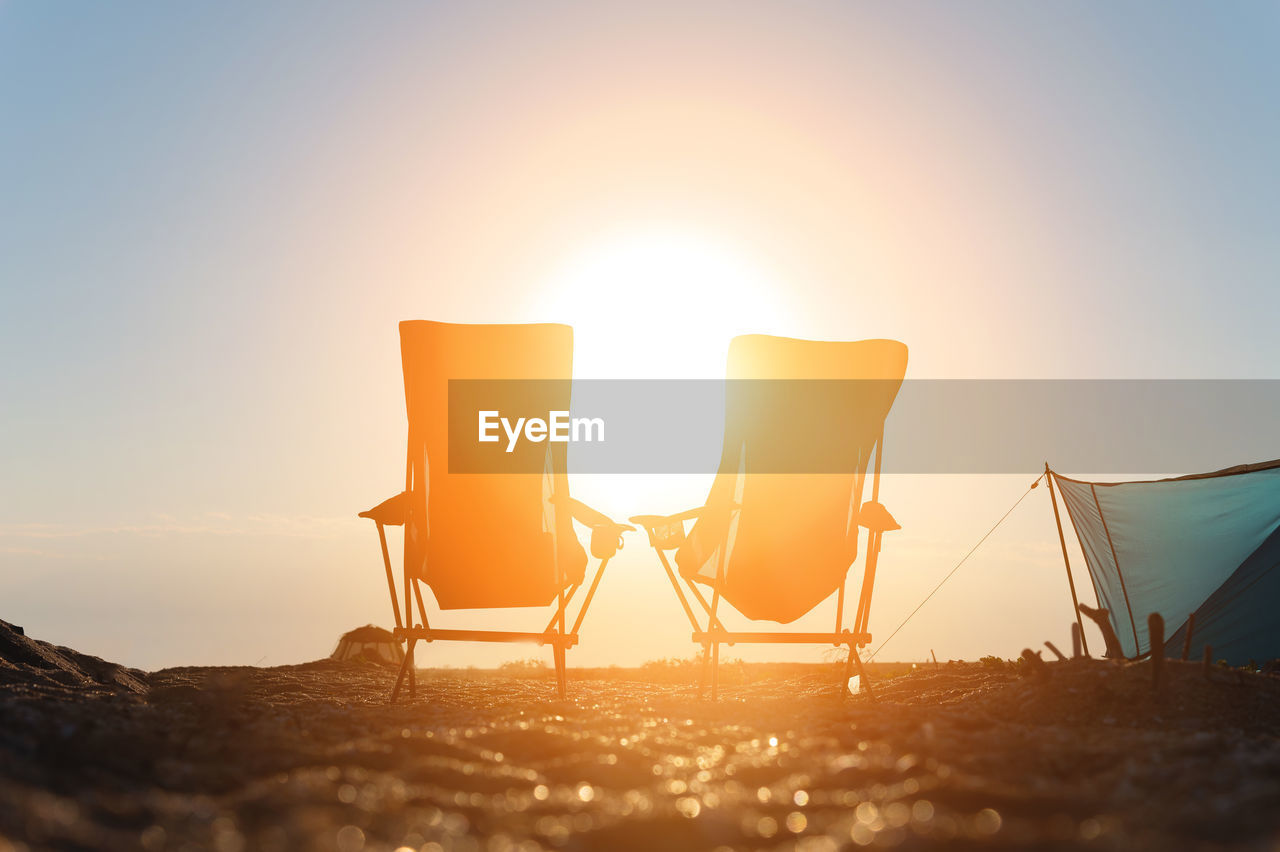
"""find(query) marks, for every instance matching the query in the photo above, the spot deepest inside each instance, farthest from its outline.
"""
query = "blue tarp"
(1207, 544)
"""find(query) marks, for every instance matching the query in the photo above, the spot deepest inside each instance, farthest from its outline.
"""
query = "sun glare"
(662, 304)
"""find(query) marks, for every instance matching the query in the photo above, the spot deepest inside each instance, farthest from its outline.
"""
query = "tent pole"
(1062, 540)
(1115, 560)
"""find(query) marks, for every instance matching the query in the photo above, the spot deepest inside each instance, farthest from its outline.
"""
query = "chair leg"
(848, 673)
(405, 667)
(715, 671)
(562, 686)
(863, 680)
(702, 670)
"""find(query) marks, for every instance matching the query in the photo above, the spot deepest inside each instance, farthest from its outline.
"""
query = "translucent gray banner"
(934, 426)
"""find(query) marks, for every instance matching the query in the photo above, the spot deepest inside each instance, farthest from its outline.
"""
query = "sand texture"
(306, 757)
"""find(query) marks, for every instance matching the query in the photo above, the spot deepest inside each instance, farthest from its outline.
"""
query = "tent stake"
(1062, 541)
(1037, 666)
(1155, 636)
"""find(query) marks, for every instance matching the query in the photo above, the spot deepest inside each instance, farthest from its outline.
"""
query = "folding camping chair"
(486, 529)
(780, 527)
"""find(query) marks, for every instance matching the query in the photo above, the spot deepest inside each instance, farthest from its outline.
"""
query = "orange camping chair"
(488, 540)
(781, 526)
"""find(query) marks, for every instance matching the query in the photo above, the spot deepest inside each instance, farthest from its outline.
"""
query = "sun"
(662, 303)
(659, 303)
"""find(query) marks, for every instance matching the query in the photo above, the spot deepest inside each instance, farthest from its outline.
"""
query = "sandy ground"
(312, 757)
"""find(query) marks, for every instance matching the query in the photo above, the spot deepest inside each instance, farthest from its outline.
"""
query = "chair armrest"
(606, 533)
(589, 517)
(666, 532)
(876, 517)
(651, 521)
(389, 512)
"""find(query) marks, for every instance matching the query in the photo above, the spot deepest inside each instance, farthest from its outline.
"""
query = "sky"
(213, 215)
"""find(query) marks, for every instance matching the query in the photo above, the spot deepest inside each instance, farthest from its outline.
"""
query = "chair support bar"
(732, 638)
(556, 635)
(432, 634)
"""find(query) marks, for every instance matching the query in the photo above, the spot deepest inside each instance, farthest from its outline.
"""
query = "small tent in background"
(1205, 545)
(369, 643)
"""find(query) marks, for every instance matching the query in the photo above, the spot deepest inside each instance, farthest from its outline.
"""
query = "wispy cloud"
(45, 553)
(210, 523)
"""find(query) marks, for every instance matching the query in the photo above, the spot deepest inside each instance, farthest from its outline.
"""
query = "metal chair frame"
(714, 633)
(555, 633)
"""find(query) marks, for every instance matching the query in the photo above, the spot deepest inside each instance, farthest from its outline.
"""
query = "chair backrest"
(484, 540)
(778, 531)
